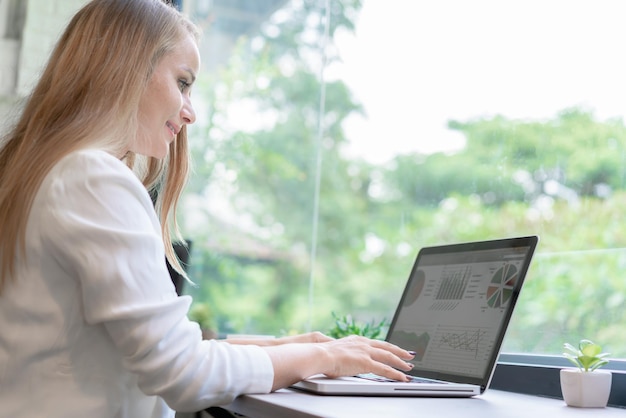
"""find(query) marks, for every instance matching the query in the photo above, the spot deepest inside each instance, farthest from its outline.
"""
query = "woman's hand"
(342, 357)
(354, 355)
(310, 337)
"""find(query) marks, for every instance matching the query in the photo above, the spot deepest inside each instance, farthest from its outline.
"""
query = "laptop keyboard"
(377, 378)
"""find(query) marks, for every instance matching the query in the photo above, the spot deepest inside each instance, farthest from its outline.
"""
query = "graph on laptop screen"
(453, 307)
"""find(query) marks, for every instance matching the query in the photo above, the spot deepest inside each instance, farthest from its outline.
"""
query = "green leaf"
(587, 357)
(590, 349)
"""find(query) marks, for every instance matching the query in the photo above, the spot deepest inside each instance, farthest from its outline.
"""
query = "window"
(12, 15)
(330, 148)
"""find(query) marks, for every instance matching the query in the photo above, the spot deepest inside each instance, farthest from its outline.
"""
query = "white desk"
(289, 403)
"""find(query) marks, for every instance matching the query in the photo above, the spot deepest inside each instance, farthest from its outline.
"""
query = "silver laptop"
(453, 313)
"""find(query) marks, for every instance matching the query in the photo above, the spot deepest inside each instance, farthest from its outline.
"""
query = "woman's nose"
(187, 113)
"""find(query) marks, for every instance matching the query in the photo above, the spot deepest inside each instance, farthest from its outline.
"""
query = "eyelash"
(183, 85)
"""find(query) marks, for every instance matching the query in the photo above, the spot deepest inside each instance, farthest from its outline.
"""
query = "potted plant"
(346, 325)
(203, 315)
(585, 386)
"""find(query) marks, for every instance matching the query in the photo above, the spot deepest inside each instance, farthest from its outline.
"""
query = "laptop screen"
(457, 304)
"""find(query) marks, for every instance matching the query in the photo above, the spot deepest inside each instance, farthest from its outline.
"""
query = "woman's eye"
(183, 85)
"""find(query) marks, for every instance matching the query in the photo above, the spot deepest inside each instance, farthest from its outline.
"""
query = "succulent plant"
(587, 357)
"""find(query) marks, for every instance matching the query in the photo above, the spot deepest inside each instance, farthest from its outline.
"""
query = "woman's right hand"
(346, 356)
(355, 354)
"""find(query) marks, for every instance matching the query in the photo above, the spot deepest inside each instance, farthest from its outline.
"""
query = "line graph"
(467, 341)
(461, 349)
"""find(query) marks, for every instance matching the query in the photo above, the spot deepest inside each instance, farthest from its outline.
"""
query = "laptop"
(454, 312)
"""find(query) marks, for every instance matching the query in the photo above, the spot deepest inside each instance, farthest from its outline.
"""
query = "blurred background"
(337, 137)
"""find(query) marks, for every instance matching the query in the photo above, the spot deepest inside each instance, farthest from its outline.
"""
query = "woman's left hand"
(309, 337)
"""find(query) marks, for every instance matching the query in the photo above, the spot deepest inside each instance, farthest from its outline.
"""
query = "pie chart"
(502, 285)
(415, 287)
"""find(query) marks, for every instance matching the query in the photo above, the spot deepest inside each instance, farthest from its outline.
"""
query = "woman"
(91, 323)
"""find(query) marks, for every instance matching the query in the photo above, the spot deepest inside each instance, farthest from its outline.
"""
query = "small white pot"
(586, 389)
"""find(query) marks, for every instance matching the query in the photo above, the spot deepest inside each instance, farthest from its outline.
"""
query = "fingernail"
(412, 353)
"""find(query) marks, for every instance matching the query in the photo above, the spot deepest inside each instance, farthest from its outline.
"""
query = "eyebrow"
(191, 73)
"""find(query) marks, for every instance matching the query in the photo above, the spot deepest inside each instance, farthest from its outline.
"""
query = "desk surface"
(493, 403)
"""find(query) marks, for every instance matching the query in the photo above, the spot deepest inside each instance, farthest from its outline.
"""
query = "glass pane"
(328, 151)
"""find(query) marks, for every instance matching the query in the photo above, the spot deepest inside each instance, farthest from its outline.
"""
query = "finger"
(313, 337)
(310, 337)
(392, 348)
(385, 352)
(390, 359)
(319, 337)
(390, 373)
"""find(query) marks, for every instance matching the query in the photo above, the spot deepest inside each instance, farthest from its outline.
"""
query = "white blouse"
(92, 326)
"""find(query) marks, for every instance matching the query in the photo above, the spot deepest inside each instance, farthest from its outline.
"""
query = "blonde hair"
(88, 97)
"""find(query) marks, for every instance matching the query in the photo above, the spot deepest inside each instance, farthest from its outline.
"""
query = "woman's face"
(165, 106)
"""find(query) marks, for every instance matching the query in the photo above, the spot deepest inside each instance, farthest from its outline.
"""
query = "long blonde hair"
(88, 97)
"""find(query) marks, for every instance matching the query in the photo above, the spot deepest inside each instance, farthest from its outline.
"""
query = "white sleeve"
(102, 228)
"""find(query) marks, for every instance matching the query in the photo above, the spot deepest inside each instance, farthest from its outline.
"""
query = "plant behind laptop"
(346, 325)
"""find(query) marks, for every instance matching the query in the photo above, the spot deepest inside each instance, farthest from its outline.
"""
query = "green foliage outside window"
(563, 179)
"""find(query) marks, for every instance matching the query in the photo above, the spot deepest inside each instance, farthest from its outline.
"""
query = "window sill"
(539, 375)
